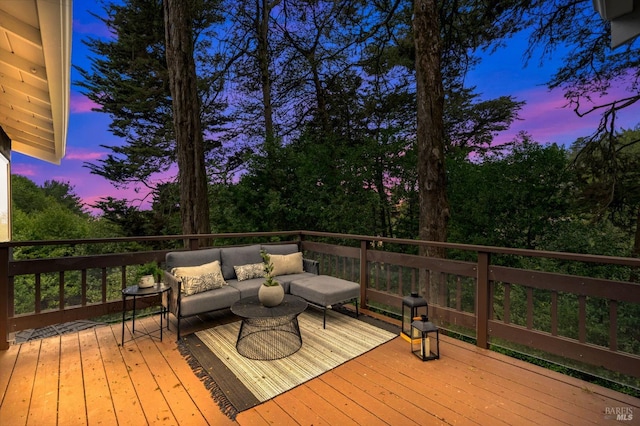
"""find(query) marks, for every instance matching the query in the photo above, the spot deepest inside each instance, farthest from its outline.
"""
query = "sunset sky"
(543, 116)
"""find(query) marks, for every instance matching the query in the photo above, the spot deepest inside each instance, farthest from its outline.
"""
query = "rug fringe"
(210, 384)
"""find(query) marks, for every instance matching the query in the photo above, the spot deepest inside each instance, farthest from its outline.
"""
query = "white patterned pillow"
(247, 272)
(196, 279)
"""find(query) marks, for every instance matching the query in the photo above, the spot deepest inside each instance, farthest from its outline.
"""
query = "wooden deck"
(88, 378)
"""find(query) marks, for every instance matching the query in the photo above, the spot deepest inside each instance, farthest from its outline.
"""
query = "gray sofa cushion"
(280, 248)
(247, 288)
(238, 256)
(191, 257)
(211, 300)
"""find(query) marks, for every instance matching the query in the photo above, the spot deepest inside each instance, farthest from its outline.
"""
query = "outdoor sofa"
(213, 279)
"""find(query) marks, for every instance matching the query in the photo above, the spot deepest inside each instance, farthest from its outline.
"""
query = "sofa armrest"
(174, 299)
(309, 265)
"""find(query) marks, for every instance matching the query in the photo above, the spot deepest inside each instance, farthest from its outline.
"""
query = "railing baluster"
(364, 274)
(387, 268)
(38, 294)
(529, 308)
(554, 313)
(103, 285)
(61, 290)
(442, 288)
(83, 281)
(458, 294)
(582, 318)
(507, 303)
(482, 295)
(613, 325)
(413, 280)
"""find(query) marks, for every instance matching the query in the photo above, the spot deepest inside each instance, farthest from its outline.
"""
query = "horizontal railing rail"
(584, 318)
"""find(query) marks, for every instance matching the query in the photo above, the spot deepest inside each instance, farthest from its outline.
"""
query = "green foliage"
(149, 268)
(268, 270)
(26, 196)
(509, 199)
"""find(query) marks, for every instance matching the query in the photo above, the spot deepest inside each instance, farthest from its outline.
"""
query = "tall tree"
(129, 80)
(434, 207)
(444, 41)
(192, 174)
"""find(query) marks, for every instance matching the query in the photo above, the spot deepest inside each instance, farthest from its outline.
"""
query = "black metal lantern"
(414, 307)
(425, 346)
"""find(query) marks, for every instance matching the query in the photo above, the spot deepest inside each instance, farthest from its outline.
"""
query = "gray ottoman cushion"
(286, 280)
(324, 290)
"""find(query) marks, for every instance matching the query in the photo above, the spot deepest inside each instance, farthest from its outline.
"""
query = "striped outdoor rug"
(238, 383)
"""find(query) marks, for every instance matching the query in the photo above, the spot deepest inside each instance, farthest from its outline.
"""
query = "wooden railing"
(591, 319)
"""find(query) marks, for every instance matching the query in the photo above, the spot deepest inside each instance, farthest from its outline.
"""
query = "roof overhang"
(35, 75)
(624, 16)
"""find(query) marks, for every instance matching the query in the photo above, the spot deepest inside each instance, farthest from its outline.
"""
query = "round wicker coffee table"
(269, 333)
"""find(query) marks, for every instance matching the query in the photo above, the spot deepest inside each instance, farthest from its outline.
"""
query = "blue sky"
(543, 116)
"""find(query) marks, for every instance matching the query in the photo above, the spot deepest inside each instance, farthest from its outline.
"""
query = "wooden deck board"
(44, 399)
(99, 402)
(72, 405)
(88, 378)
(7, 363)
(16, 401)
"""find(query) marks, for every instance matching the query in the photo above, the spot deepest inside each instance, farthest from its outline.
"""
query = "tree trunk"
(434, 207)
(192, 175)
(433, 204)
(262, 29)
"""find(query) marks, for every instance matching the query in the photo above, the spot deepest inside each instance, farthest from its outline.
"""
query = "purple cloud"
(548, 117)
(83, 155)
(79, 103)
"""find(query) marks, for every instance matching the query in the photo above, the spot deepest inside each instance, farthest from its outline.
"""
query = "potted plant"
(271, 292)
(147, 274)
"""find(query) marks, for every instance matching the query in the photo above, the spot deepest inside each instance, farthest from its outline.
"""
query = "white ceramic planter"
(146, 281)
(271, 296)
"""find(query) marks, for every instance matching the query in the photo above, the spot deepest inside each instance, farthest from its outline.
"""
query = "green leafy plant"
(268, 269)
(150, 268)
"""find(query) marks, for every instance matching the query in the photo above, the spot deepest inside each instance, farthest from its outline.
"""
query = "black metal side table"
(134, 291)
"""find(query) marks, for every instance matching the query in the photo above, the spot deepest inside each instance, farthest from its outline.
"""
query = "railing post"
(364, 276)
(4, 298)
(194, 243)
(482, 301)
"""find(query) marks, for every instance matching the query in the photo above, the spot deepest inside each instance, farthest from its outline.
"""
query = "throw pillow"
(196, 279)
(247, 272)
(285, 264)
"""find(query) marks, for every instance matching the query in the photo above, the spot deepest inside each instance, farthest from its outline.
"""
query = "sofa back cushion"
(175, 259)
(238, 256)
(280, 248)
